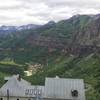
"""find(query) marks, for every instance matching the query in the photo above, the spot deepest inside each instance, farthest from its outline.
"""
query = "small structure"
(54, 89)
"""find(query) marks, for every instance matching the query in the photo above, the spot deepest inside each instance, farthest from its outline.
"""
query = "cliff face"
(77, 34)
(90, 34)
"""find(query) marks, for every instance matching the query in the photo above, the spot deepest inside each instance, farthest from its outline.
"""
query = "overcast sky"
(19, 12)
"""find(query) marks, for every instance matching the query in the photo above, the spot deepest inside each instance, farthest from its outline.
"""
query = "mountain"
(80, 30)
(79, 33)
(5, 30)
(69, 48)
(27, 27)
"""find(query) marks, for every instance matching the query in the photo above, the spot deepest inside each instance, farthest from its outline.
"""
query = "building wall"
(59, 99)
(20, 98)
(16, 98)
(61, 88)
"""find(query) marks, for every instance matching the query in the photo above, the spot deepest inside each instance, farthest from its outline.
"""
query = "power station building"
(54, 89)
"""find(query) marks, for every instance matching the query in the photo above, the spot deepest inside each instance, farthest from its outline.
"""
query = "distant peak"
(51, 22)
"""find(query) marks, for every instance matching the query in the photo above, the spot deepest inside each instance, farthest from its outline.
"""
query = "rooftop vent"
(74, 93)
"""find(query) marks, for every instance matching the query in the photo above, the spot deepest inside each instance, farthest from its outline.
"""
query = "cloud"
(19, 12)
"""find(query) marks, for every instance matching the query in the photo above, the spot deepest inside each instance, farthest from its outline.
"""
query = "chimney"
(57, 77)
(19, 78)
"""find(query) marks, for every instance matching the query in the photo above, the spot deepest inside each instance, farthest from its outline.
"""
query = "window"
(74, 93)
(1, 98)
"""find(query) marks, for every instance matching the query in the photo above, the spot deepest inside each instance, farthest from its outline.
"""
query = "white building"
(54, 89)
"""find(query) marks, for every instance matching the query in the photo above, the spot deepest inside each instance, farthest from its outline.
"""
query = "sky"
(21, 12)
